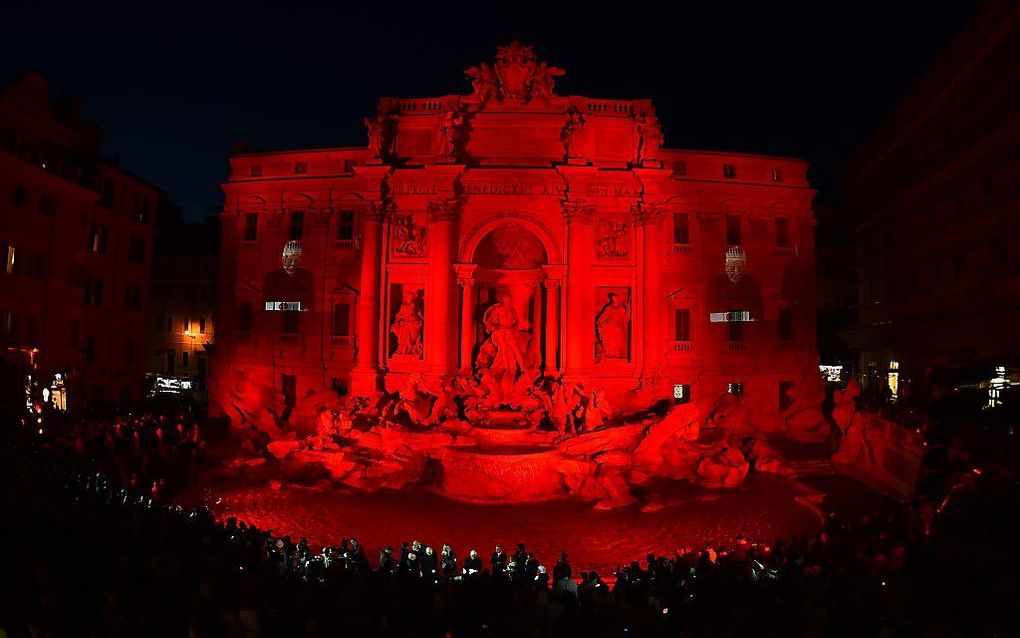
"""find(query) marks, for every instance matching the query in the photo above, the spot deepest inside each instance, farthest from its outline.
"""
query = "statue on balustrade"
(649, 140)
(407, 327)
(573, 134)
(611, 329)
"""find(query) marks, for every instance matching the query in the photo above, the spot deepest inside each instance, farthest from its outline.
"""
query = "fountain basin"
(503, 473)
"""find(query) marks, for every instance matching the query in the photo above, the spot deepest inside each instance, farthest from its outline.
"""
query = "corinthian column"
(648, 218)
(365, 376)
(440, 316)
(579, 348)
(467, 320)
(552, 320)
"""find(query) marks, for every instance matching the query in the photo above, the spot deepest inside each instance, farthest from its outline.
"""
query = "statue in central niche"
(500, 322)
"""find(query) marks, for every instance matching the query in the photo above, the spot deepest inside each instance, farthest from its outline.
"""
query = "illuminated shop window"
(893, 380)
(681, 393)
(735, 387)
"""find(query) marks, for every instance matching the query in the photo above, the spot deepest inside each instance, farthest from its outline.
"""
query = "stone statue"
(543, 80)
(573, 134)
(449, 134)
(611, 242)
(374, 128)
(611, 329)
(483, 81)
(649, 139)
(500, 322)
(598, 410)
(408, 238)
(407, 326)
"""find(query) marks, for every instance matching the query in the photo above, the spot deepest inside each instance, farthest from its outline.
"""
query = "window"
(682, 319)
(345, 225)
(186, 324)
(129, 351)
(184, 359)
(19, 197)
(9, 325)
(136, 250)
(729, 171)
(777, 174)
(171, 361)
(93, 291)
(9, 264)
(681, 228)
(201, 325)
(290, 322)
(256, 170)
(97, 238)
(47, 205)
(300, 168)
(681, 393)
(341, 320)
(782, 232)
(785, 324)
(169, 323)
(202, 366)
(733, 230)
(297, 225)
(735, 387)
(88, 351)
(30, 330)
(244, 317)
(251, 226)
(133, 298)
(735, 329)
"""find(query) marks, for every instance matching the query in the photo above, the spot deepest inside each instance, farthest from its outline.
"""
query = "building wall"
(72, 220)
(182, 315)
(593, 225)
(932, 199)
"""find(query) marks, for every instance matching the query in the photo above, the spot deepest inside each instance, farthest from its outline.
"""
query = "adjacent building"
(930, 202)
(184, 270)
(76, 234)
(508, 233)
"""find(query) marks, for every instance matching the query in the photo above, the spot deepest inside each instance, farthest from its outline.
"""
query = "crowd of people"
(95, 552)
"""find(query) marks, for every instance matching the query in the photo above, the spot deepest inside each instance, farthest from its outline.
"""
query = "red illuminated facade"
(514, 232)
(76, 238)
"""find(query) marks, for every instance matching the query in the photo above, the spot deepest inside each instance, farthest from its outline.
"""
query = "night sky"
(174, 88)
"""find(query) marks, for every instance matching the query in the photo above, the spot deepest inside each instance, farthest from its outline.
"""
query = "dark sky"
(173, 88)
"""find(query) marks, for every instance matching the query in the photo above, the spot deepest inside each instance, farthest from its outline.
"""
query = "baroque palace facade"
(512, 233)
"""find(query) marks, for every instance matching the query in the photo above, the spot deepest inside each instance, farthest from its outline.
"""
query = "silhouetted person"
(473, 564)
(498, 561)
